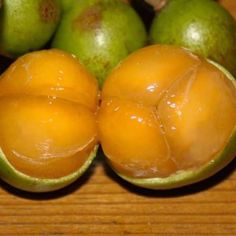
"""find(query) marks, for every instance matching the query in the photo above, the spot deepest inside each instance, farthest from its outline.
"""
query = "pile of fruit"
(149, 82)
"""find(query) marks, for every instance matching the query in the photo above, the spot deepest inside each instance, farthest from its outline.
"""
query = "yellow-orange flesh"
(165, 110)
(48, 106)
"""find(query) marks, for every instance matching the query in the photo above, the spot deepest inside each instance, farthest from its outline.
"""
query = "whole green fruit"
(27, 25)
(203, 26)
(100, 33)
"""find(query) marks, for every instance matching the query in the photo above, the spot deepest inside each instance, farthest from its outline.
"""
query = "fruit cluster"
(164, 114)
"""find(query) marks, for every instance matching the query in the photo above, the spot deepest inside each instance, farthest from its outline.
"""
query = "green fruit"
(67, 4)
(203, 26)
(27, 25)
(100, 33)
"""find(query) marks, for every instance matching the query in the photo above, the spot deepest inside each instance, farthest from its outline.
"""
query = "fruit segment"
(51, 73)
(132, 138)
(198, 113)
(39, 134)
(48, 106)
(147, 74)
(186, 121)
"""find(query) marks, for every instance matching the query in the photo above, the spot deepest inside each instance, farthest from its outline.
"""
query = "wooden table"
(100, 203)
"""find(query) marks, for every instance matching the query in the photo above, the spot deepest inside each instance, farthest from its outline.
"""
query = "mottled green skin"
(100, 33)
(67, 4)
(187, 177)
(203, 26)
(27, 25)
(24, 182)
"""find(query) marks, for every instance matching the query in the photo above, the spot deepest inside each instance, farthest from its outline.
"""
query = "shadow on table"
(181, 191)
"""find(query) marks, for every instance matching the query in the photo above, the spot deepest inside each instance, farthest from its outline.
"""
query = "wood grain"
(100, 203)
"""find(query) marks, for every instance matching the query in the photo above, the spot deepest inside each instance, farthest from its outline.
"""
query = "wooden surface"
(102, 204)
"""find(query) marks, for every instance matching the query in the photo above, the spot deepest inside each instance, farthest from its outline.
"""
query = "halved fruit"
(48, 106)
(168, 118)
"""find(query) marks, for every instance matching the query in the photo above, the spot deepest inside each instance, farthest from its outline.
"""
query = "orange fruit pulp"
(47, 114)
(165, 110)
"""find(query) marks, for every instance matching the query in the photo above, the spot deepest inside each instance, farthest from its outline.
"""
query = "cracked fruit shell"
(168, 118)
(48, 137)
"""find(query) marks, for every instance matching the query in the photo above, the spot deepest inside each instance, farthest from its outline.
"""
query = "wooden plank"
(102, 204)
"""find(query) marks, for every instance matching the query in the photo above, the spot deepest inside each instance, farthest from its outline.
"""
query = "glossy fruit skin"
(27, 25)
(202, 26)
(100, 33)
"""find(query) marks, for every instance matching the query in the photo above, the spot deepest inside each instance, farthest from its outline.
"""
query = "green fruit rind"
(187, 177)
(66, 4)
(203, 26)
(25, 182)
(100, 33)
(27, 25)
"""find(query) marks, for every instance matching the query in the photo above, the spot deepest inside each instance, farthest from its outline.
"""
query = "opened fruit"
(167, 118)
(48, 127)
